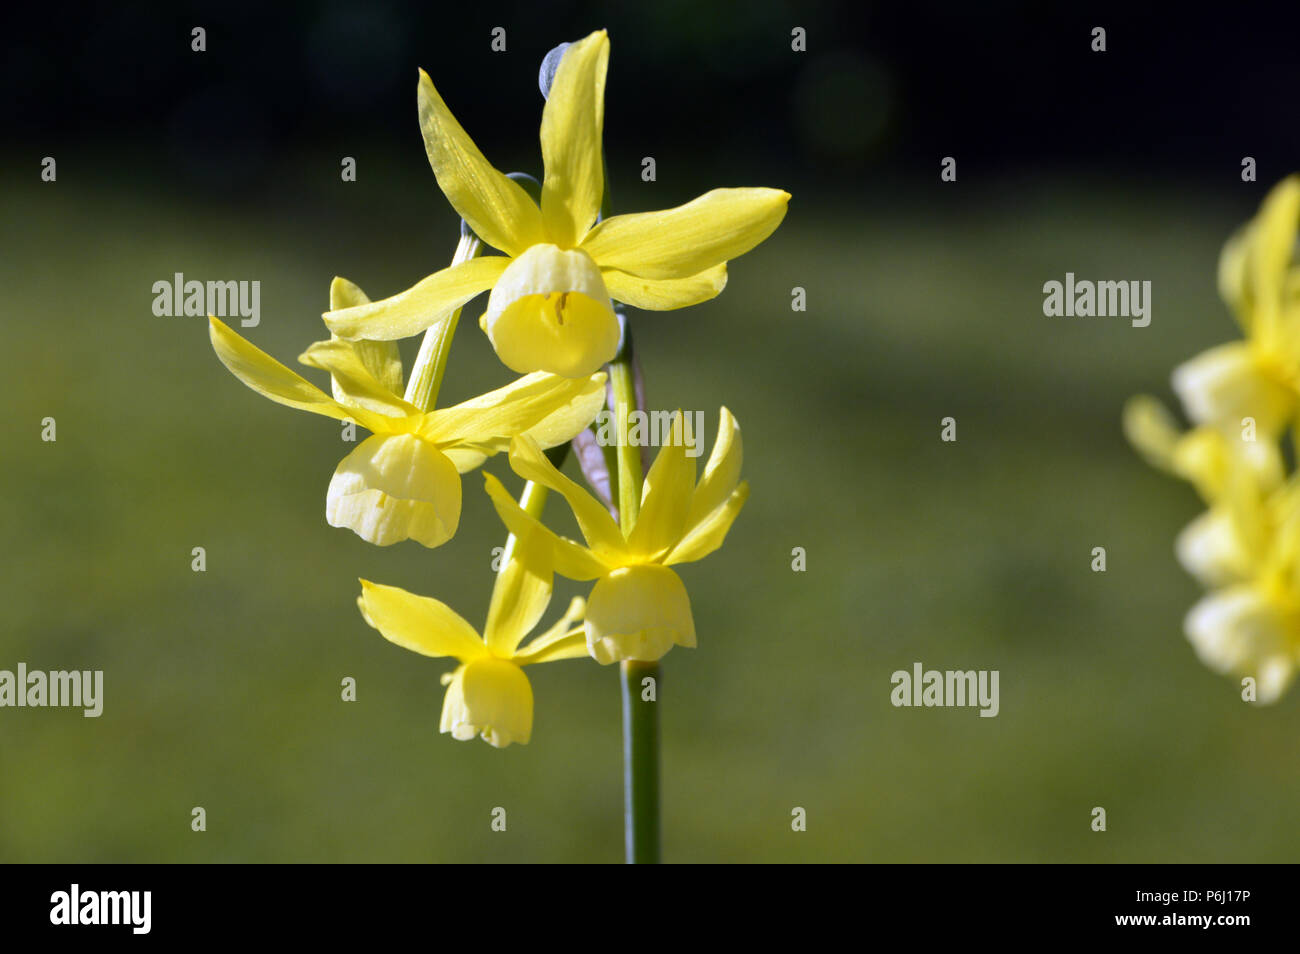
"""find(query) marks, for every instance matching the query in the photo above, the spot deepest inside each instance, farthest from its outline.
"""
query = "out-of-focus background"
(924, 300)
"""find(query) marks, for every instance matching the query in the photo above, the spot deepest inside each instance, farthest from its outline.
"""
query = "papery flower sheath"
(639, 608)
(403, 482)
(488, 694)
(550, 305)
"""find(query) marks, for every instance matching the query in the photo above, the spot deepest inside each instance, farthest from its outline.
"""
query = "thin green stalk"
(629, 457)
(640, 762)
(426, 375)
(640, 714)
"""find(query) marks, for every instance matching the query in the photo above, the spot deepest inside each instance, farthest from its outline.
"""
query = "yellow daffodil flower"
(1245, 547)
(1234, 477)
(639, 608)
(1251, 627)
(1258, 377)
(550, 304)
(403, 482)
(488, 695)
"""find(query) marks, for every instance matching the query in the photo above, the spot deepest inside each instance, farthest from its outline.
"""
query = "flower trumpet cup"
(551, 289)
(488, 694)
(403, 482)
(639, 608)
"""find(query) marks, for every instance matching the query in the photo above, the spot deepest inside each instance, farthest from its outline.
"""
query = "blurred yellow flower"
(403, 482)
(550, 304)
(1258, 377)
(638, 609)
(488, 694)
(1245, 547)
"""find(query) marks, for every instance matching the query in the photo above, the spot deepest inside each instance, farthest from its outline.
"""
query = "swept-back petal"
(418, 623)
(560, 641)
(665, 294)
(495, 206)
(352, 381)
(571, 149)
(571, 644)
(421, 306)
(572, 559)
(681, 242)
(550, 407)
(1273, 242)
(666, 496)
(603, 535)
(1152, 431)
(721, 473)
(380, 358)
(706, 536)
(271, 379)
(521, 594)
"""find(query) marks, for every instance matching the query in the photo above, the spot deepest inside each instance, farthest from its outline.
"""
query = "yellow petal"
(681, 242)
(569, 419)
(521, 594)
(549, 407)
(467, 457)
(1238, 630)
(271, 379)
(394, 488)
(568, 645)
(352, 381)
(494, 205)
(602, 534)
(572, 559)
(417, 623)
(424, 304)
(1273, 244)
(638, 613)
(707, 535)
(490, 698)
(380, 358)
(666, 497)
(721, 473)
(561, 641)
(665, 294)
(550, 311)
(572, 121)
(1233, 287)
(1212, 550)
(1151, 429)
(1228, 383)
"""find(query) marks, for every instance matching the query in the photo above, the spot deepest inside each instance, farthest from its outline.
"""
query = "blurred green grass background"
(222, 689)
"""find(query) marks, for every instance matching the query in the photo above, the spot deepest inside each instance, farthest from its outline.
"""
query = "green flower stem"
(640, 717)
(426, 375)
(629, 457)
(640, 764)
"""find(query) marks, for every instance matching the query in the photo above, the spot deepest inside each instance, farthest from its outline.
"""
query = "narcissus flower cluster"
(1242, 399)
(554, 316)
